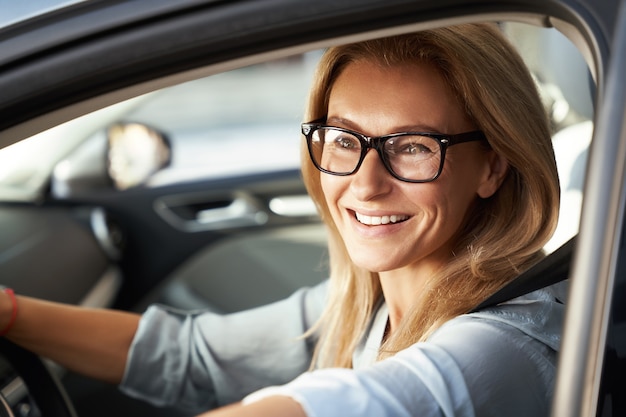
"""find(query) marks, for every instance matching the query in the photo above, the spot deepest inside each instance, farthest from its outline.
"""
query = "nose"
(372, 179)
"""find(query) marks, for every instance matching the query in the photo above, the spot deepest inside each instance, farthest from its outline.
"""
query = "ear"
(495, 171)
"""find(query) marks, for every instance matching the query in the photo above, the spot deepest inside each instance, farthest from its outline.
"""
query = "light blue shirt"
(500, 361)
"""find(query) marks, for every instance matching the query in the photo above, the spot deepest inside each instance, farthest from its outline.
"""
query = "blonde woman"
(430, 160)
(413, 248)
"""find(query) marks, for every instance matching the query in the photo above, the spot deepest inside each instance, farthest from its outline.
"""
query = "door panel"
(55, 254)
(161, 228)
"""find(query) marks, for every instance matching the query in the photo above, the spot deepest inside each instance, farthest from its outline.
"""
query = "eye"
(415, 148)
(342, 141)
(410, 145)
(347, 142)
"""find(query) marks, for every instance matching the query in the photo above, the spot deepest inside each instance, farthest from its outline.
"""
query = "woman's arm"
(200, 360)
(276, 406)
(93, 342)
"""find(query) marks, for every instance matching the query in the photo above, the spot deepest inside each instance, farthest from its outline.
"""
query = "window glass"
(13, 11)
(247, 121)
(568, 91)
(239, 122)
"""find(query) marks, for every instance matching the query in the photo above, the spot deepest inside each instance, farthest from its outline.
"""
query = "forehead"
(392, 97)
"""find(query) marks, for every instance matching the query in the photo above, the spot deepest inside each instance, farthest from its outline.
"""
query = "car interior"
(157, 191)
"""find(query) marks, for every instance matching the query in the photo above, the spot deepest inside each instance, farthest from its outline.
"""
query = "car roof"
(38, 79)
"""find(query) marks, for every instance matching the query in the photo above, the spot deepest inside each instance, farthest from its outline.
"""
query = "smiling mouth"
(380, 220)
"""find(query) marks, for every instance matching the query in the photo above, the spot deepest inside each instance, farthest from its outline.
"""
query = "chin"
(373, 267)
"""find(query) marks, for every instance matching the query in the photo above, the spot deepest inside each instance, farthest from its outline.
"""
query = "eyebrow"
(406, 128)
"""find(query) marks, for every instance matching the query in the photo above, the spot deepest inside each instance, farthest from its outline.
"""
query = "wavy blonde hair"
(503, 234)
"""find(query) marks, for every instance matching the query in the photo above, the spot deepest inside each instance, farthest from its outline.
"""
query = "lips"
(380, 220)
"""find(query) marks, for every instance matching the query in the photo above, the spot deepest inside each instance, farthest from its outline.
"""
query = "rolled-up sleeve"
(470, 367)
(409, 384)
(199, 360)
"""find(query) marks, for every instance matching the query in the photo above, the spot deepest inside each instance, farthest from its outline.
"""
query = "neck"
(401, 288)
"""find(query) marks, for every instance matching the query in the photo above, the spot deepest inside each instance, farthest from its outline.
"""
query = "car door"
(61, 66)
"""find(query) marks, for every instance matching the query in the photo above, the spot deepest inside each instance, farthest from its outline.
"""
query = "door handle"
(242, 211)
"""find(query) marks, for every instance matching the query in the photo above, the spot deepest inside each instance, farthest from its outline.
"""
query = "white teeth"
(378, 220)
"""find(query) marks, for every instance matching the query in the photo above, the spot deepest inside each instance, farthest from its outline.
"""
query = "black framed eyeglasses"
(408, 156)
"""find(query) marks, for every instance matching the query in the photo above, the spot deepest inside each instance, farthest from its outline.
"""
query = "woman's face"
(377, 101)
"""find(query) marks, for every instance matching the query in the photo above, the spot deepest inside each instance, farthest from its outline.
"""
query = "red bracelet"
(11, 294)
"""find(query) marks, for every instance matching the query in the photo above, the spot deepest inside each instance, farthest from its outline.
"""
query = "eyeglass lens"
(411, 157)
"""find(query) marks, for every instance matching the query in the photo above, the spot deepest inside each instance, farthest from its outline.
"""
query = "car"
(211, 212)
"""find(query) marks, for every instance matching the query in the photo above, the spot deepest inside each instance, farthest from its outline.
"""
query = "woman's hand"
(276, 406)
(93, 342)
(8, 310)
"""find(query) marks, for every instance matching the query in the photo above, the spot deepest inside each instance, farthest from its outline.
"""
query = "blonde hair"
(503, 234)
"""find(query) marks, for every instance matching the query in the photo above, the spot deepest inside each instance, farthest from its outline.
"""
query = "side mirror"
(135, 152)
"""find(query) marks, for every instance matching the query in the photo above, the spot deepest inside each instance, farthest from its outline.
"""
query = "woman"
(459, 195)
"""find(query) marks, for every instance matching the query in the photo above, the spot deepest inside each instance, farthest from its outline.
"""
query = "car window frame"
(592, 277)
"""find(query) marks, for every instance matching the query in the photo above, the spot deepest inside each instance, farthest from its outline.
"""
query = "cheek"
(463, 172)
(327, 189)
(442, 214)
(434, 204)
(332, 187)
(446, 200)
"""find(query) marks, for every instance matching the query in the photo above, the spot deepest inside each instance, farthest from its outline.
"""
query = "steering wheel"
(43, 388)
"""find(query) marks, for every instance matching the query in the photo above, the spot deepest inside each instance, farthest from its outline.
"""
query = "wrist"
(8, 312)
